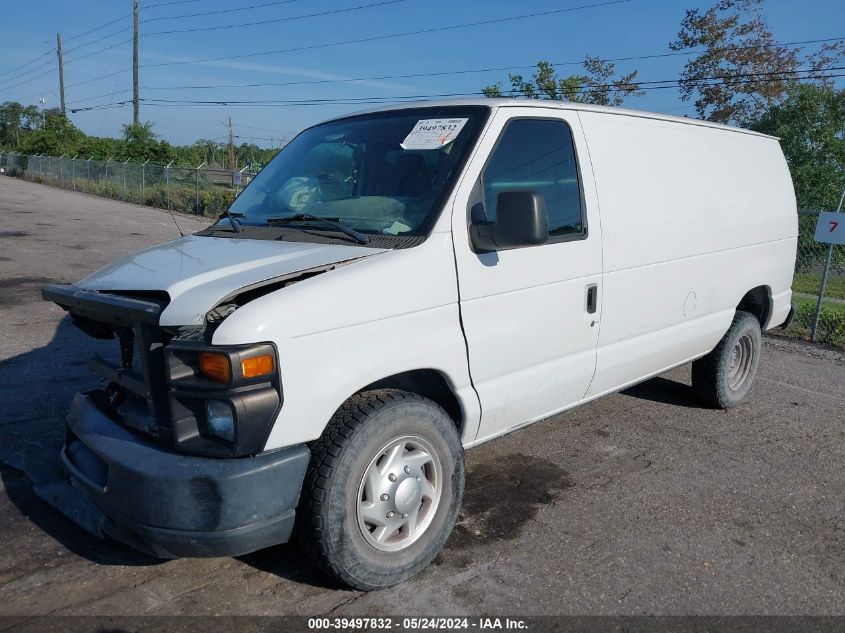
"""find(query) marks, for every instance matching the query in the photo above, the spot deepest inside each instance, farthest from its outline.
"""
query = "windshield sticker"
(433, 133)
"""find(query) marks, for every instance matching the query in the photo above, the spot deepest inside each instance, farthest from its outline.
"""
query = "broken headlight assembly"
(223, 398)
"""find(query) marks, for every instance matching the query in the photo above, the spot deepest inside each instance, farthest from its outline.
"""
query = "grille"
(138, 384)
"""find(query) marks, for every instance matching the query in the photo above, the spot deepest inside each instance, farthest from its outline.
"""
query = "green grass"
(831, 322)
(810, 283)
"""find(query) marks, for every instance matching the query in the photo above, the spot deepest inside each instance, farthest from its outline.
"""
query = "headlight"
(220, 420)
(223, 398)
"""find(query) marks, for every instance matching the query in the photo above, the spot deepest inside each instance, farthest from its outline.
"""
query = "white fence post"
(167, 183)
(828, 260)
(124, 178)
(197, 207)
(144, 182)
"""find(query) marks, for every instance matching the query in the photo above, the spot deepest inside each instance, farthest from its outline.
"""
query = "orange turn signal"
(215, 366)
(257, 366)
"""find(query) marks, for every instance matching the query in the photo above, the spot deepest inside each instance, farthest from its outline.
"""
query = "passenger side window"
(537, 155)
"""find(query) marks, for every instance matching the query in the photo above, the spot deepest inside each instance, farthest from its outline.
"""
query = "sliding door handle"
(592, 298)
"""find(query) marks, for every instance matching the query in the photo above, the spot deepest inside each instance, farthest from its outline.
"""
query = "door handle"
(592, 298)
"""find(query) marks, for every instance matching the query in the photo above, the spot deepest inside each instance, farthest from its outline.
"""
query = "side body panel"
(531, 341)
(693, 218)
(341, 331)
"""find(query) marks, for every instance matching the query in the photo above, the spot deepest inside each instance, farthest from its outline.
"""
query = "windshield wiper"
(307, 217)
(229, 215)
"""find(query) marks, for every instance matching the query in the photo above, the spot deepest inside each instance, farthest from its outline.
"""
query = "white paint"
(684, 208)
(532, 345)
(197, 272)
(685, 217)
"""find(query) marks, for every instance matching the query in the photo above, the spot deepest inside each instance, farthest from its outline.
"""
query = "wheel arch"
(429, 383)
(758, 301)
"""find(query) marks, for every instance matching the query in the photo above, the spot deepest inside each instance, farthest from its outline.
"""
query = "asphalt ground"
(643, 502)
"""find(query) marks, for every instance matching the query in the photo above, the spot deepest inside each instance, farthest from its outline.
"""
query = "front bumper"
(170, 505)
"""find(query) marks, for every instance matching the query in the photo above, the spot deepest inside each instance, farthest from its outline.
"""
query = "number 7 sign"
(831, 228)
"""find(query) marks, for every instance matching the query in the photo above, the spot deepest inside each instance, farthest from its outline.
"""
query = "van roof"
(562, 105)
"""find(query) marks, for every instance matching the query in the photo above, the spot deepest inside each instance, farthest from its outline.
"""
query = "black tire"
(328, 527)
(725, 376)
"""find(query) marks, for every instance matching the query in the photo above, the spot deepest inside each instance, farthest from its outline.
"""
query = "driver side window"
(538, 155)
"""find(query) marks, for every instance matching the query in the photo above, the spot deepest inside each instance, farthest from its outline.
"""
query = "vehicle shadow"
(37, 387)
(665, 391)
(289, 562)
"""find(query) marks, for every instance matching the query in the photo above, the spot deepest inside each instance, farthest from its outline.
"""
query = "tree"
(16, 121)
(21, 130)
(58, 136)
(742, 70)
(811, 125)
(101, 148)
(599, 85)
(141, 144)
(206, 150)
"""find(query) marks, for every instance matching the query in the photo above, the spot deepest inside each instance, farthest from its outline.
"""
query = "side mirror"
(521, 220)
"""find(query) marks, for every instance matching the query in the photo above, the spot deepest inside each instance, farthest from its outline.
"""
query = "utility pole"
(135, 120)
(232, 164)
(61, 71)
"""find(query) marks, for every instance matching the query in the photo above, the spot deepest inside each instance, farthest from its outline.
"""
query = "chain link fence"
(209, 192)
(202, 190)
(828, 326)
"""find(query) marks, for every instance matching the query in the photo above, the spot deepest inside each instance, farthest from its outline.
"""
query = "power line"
(97, 28)
(392, 35)
(168, 4)
(26, 81)
(262, 129)
(325, 45)
(464, 71)
(99, 50)
(29, 71)
(49, 62)
(276, 20)
(218, 12)
(260, 138)
(122, 30)
(100, 39)
(34, 59)
(419, 75)
(66, 40)
(652, 85)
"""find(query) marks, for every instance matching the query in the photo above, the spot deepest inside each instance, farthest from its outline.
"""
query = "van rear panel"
(693, 218)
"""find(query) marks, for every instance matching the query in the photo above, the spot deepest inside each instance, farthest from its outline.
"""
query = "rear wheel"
(725, 376)
(383, 489)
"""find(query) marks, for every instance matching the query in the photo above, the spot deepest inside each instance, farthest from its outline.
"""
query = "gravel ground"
(640, 503)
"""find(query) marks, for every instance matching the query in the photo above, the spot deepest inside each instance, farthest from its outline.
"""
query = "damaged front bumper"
(114, 483)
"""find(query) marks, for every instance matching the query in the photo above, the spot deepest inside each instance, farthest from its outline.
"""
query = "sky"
(320, 68)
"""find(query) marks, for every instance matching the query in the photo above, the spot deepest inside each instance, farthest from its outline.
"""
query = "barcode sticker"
(433, 133)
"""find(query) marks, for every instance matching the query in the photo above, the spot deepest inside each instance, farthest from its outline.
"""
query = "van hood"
(197, 272)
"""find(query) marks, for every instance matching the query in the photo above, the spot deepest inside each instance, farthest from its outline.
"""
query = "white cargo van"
(397, 286)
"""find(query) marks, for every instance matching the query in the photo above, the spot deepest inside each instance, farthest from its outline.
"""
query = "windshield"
(385, 173)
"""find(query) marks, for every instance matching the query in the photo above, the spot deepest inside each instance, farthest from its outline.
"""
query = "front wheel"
(383, 489)
(725, 376)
